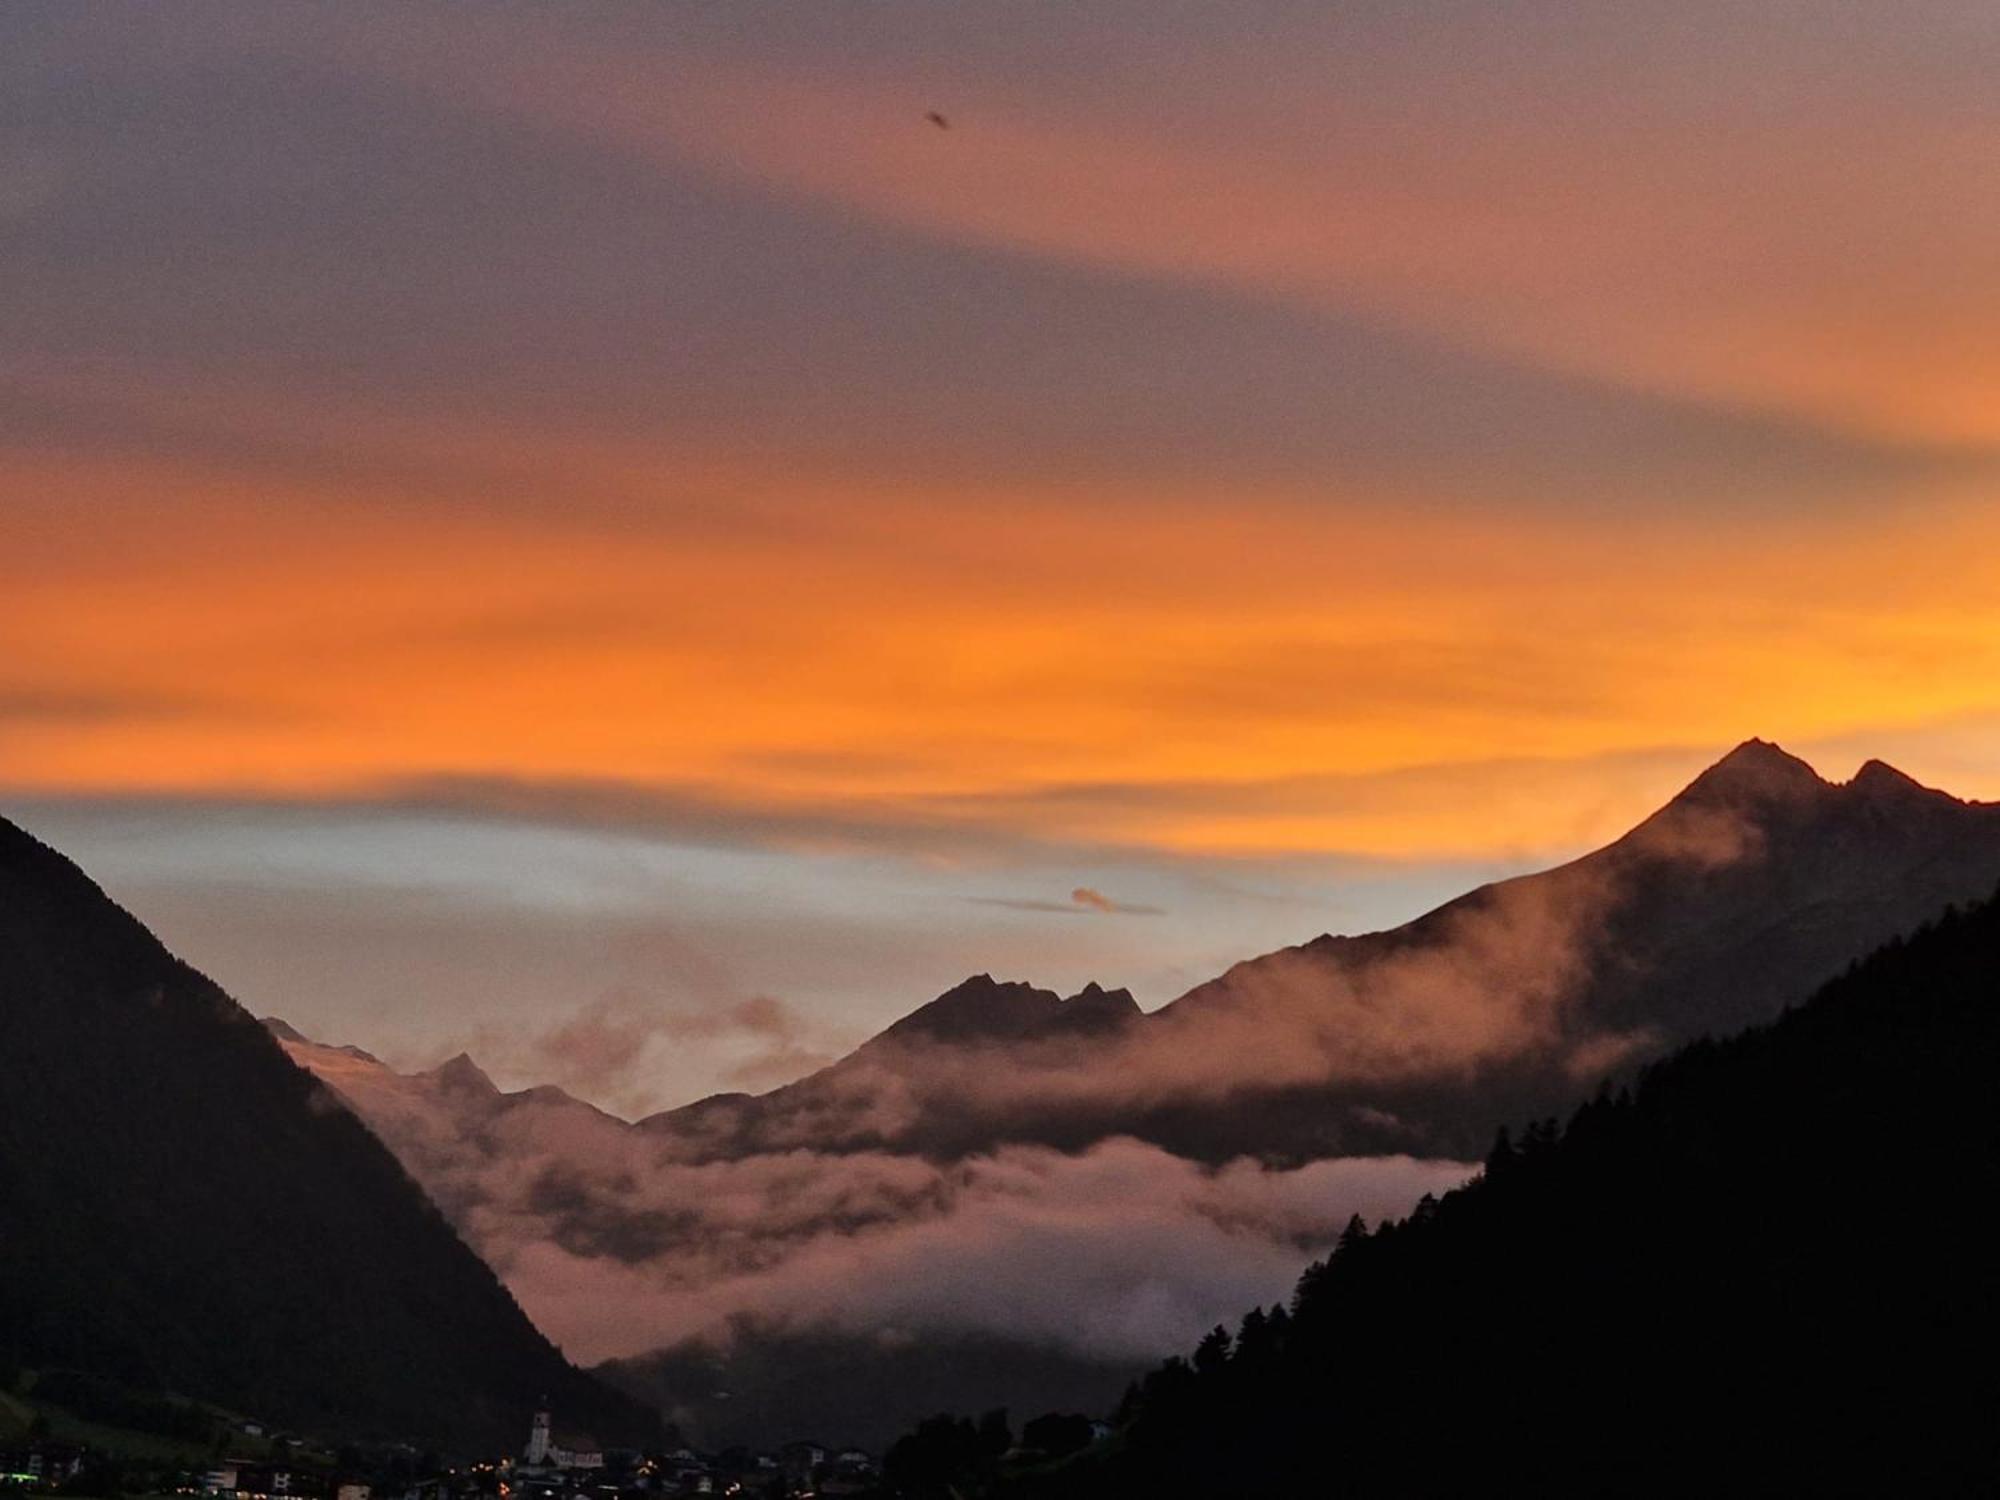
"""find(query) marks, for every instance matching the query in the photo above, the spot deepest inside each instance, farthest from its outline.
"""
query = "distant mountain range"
(1757, 883)
(183, 1209)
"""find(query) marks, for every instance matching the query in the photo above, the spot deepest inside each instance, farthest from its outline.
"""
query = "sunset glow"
(1026, 669)
(1327, 441)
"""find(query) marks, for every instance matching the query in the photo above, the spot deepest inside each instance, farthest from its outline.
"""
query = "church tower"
(538, 1440)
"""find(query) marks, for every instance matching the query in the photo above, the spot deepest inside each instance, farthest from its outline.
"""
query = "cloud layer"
(617, 1245)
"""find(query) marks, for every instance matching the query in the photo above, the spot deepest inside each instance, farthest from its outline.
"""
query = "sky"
(522, 513)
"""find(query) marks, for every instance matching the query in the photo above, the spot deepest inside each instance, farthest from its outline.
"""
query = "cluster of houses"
(564, 1466)
(554, 1465)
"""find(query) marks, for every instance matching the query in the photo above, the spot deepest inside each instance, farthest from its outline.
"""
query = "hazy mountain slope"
(1759, 870)
(985, 1063)
(1754, 885)
(186, 1209)
(1766, 1271)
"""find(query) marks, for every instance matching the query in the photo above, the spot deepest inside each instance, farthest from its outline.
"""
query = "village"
(552, 1464)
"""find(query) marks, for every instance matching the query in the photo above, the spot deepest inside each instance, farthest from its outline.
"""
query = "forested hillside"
(1767, 1268)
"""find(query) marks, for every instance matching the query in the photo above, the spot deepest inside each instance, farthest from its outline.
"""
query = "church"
(547, 1451)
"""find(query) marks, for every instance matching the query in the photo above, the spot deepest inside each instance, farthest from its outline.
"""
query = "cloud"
(616, 1245)
(1521, 805)
(605, 1049)
(1122, 1251)
(1091, 900)
(1097, 901)
(1083, 901)
(1485, 218)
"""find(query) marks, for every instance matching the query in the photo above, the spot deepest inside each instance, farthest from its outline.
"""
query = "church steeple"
(538, 1439)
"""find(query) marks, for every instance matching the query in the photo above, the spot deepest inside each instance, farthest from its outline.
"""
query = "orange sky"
(874, 657)
(1354, 435)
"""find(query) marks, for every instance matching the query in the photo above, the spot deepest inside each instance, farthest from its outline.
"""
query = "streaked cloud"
(1671, 202)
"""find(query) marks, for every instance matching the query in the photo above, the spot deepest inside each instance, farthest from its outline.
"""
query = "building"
(549, 1450)
(540, 1439)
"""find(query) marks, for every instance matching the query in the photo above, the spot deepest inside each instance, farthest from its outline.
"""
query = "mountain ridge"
(188, 1210)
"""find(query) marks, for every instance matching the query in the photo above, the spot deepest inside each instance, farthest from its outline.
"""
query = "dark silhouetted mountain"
(1094, 1011)
(982, 1012)
(186, 1210)
(1766, 1270)
(979, 1010)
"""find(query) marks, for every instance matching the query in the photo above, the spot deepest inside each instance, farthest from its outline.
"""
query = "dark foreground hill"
(1767, 1270)
(181, 1208)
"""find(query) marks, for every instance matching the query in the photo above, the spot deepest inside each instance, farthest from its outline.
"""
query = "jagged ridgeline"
(183, 1209)
(1766, 1270)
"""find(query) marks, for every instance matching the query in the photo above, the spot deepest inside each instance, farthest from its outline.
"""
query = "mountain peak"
(1095, 996)
(980, 1008)
(1095, 1009)
(1755, 771)
(1878, 781)
(461, 1072)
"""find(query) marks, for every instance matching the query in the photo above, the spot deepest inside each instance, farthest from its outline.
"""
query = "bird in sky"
(937, 119)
